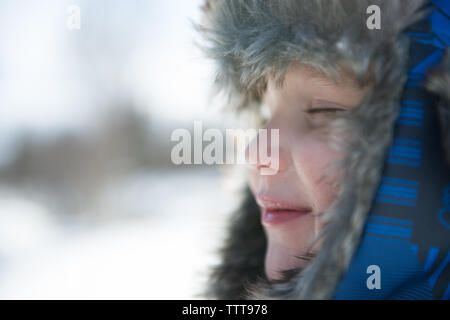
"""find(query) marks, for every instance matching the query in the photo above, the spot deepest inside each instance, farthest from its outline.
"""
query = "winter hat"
(392, 212)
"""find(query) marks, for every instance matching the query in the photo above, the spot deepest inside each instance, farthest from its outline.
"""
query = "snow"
(160, 249)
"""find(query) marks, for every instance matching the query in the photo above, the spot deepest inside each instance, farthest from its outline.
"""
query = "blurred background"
(90, 204)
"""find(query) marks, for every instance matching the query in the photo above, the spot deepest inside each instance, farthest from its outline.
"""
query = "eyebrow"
(343, 78)
(319, 103)
(315, 74)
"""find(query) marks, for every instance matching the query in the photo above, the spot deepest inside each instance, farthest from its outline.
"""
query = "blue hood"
(404, 251)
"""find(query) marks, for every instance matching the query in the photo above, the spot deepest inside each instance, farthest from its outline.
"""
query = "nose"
(265, 152)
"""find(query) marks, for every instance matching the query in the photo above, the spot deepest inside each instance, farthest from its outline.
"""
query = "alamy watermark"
(73, 21)
(374, 20)
(238, 146)
(374, 280)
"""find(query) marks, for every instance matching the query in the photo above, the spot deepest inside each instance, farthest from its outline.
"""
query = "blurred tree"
(72, 170)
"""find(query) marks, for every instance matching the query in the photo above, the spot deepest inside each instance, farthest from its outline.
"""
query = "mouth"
(276, 211)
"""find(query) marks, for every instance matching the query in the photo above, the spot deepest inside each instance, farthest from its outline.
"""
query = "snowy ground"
(160, 249)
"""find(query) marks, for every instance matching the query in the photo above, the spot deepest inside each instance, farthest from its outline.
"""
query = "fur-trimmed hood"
(385, 208)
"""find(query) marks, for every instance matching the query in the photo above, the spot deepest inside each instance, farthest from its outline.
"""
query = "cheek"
(315, 161)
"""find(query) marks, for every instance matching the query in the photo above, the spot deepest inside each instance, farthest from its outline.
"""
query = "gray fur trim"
(438, 82)
(438, 79)
(242, 258)
(251, 40)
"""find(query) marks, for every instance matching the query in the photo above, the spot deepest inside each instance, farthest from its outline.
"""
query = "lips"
(276, 211)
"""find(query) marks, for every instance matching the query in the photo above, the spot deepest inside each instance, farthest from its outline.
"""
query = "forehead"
(301, 71)
(304, 82)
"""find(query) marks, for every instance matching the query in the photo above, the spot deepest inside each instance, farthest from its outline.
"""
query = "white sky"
(142, 50)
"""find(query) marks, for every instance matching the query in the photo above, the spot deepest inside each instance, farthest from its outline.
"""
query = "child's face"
(292, 199)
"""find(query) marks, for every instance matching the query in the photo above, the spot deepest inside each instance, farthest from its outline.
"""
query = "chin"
(284, 249)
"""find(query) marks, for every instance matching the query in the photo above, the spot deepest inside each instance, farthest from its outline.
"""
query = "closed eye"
(324, 106)
(323, 110)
